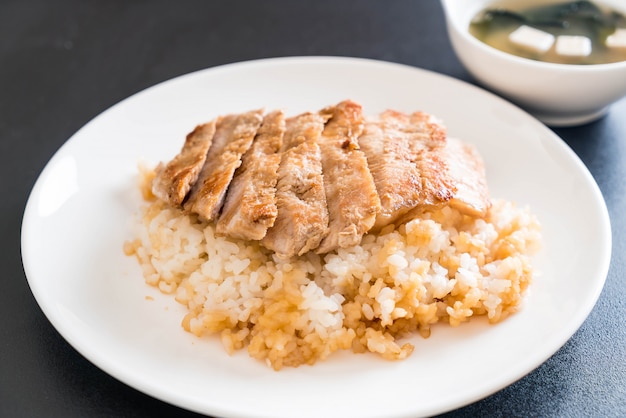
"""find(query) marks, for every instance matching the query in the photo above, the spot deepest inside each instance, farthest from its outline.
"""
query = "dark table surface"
(63, 62)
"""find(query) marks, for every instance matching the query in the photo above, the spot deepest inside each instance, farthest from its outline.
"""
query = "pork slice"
(174, 179)
(405, 157)
(250, 205)
(302, 220)
(350, 191)
(233, 136)
(468, 172)
(428, 148)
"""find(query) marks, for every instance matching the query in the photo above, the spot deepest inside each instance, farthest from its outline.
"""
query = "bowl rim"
(452, 21)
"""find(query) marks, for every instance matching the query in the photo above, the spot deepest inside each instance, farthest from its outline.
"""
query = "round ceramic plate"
(80, 210)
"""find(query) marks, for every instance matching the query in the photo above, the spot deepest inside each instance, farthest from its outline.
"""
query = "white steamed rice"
(441, 267)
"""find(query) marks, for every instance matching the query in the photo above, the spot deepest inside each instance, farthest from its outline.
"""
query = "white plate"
(78, 216)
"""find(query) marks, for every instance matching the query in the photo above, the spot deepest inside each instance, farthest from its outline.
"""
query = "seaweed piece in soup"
(492, 20)
(580, 17)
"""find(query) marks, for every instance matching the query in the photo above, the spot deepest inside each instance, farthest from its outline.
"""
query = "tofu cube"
(573, 46)
(532, 39)
(617, 39)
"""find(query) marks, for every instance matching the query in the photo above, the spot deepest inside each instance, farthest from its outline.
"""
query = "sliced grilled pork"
(320, 181)
(174, 179)
(404, 154)
(302, 219)
(233, 136)
(250, 205)
(350, 191)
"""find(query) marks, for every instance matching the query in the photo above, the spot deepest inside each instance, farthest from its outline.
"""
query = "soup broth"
(493, 26)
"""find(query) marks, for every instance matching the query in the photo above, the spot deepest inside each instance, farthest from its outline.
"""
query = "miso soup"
(494, 26)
